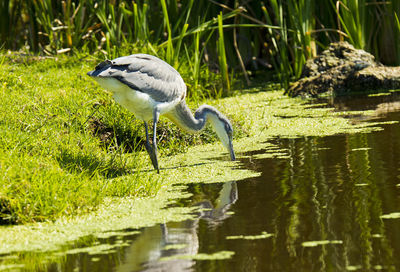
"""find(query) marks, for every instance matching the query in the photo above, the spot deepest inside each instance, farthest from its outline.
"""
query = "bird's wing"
(147, 74)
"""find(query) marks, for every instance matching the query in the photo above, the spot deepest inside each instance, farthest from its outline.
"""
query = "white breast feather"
(139, 103)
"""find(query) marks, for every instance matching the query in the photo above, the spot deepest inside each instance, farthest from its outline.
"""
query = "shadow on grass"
(175, 167)
(6, 216)
(93, 165)
(116, 135)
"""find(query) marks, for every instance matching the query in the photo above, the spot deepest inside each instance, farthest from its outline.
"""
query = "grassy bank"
(65, 144)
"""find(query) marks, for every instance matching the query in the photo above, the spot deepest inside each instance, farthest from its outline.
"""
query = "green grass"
(51, 162)
(65, 143)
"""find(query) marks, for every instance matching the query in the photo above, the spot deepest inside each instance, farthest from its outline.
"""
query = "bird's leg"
(156, 116)
(149, 148)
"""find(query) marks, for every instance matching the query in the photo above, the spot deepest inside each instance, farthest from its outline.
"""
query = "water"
(322, 205)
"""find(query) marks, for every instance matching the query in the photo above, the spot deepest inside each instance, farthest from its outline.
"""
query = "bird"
(149, 88)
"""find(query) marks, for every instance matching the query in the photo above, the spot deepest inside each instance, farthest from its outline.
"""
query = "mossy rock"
(341, 70)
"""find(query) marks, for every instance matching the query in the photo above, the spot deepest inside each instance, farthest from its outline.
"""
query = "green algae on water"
(266, 115)
(263, 235)
(379, 94)
(394, 215)
(320, 243)
(113, 215)
(96, 249)
(361, 149)
(109, 234)
(220, 255)
(175, 246)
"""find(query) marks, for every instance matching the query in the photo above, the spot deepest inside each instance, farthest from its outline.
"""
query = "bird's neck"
(183, 117)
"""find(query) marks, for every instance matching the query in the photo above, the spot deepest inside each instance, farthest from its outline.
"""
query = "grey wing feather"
(148, 74)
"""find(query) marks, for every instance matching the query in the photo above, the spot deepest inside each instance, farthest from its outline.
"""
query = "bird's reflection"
(155, 248)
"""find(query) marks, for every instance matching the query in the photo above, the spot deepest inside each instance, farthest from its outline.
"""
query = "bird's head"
(222, 127)
(226, 136)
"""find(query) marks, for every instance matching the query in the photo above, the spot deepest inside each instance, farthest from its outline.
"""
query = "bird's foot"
(153, 157)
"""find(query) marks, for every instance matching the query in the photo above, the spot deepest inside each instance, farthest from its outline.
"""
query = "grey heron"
(149, 87)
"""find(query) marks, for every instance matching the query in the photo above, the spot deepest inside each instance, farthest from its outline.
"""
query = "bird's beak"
(231, 152)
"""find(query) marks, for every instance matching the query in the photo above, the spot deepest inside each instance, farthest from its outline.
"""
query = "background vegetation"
(226, 36)
(64, 148)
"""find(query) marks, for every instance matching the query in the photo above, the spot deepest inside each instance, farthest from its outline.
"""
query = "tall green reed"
(194, 58)
(352, 15)
(223, 65)
(284, 33)
(371, 25)
(138, 18)
(388, 35)
(302, 25)
(9, 16)
(397, 27)
(170, 49)
(279, 38)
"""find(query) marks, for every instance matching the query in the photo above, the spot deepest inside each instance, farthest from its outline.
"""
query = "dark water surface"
(323, 205)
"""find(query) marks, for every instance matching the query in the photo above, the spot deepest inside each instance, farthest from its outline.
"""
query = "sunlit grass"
(51, 162)
(66, 144)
